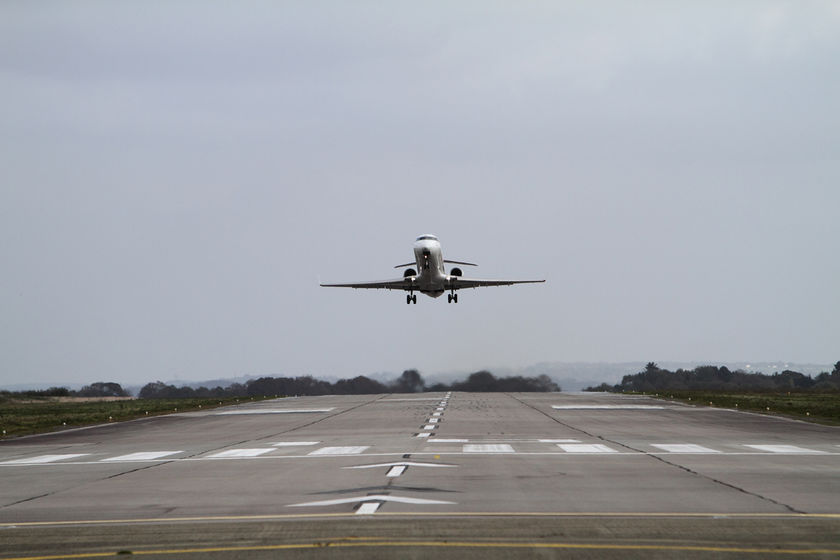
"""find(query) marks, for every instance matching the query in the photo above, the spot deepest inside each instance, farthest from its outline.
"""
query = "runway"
(464, 473)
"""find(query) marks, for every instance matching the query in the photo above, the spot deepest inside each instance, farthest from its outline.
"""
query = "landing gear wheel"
(414, 299)
(455, 298)
(449, 298)
(408, 299)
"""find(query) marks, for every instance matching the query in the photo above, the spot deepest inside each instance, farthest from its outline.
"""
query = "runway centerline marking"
(558, 440)
(684, 448)
(422, 434)
(275, 411)
(43, 459)
(585, 448)
(443, 440)
(240, 453)
(142, 456)
(395, 471)
(786, 449)
(487, 448)
(294, 443)
(346, 450)
(429, 427)
(401, 463)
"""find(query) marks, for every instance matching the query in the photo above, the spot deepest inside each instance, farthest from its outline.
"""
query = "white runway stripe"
(142, 456)
(559, 441)
(396, 470)
(607, 407)
(785, 449)
(423, 434)
(43, 459)
(240, 453)
(429, 427)
(442, 440)
(585, 448)
(348, 450)
(274, 411)
(487, 448)
(294, 443)
(683, 448)
(367, 508)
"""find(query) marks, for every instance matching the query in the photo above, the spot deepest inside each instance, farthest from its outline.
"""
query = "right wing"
(457, 283)
(396, 284)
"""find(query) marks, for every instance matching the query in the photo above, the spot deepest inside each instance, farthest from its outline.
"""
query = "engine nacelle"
(455, 272)
(409, 272)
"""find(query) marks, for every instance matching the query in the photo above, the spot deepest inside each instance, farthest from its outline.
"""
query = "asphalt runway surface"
(466, 475)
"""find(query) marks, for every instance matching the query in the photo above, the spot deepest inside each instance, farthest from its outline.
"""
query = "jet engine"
(409, 272)
(455, 272)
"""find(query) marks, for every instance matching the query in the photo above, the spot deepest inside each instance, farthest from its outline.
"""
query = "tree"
(409, 382)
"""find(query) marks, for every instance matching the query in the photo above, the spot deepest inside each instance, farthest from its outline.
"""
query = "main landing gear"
(411, 298)
(453, 297)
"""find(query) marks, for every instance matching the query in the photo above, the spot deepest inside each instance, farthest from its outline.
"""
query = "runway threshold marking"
(240, 453)
(786, 449)
(487, 448)
(142, 456)
(585, 448)
(684, 448)
(346, 450)
(360, 542)
(43, 459)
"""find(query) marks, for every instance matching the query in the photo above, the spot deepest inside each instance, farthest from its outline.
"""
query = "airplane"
(432, 279)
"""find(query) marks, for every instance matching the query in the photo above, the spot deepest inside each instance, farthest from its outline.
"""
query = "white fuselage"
(431, 276)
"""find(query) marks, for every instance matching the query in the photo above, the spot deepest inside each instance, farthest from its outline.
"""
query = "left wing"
(457, 283)
(395, 284)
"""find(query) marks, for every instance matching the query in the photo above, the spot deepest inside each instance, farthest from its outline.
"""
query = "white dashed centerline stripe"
(422, 434)
(142, 456)
(441, 440)
(558, 440)
(294, 443)
(348, 450)
(396, 471)
(488, 448)
(240, 453)
(585, 448)
(785, 449)
(43, 459)
(367, 508)
(429, 427)
(684, 448)
(433, 420)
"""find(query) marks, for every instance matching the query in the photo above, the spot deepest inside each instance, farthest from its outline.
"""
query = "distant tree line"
(409, 382)
(98, 389)
(712, 378)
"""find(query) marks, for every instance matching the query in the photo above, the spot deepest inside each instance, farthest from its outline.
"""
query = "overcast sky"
(175, 178)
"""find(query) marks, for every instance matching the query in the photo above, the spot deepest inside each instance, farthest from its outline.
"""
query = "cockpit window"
(424, 237)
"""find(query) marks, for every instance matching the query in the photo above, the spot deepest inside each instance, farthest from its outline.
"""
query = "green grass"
(821, 408)
(31, 416)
